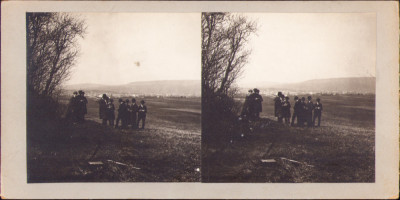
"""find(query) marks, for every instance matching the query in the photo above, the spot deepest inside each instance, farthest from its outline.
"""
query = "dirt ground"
(341, 150)
(168, 150)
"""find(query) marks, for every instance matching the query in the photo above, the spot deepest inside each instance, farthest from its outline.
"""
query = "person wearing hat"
(121, 114)
(286, 110)
(257, 103)
(296, 110)
(308, 114)
(317, 112)
(82, 109)
(134, 108)
(103, 109)
(278, 106)
(142, 111)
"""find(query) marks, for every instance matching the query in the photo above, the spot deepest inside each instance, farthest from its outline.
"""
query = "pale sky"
(294, 47)
(126, 47)
(289, 47)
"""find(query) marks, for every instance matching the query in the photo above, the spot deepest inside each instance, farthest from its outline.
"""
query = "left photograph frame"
(113, 97)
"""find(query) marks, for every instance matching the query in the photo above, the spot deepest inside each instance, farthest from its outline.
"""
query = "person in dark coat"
(72, 108)
(128, 113)
(103, 109)
(302, 113)
(81, 107)
(142, 111)
(317, 112)
(256, 103)
(278, 106)
(309, 110)
(246, 107)
(122, 110)
(286, 110)
(134, 108)
(110, 112)
(296, 110)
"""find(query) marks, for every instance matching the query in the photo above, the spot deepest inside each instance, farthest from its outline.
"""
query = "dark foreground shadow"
(90, 152)
(273, 152)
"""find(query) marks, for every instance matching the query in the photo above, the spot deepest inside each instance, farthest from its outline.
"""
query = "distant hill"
(167, 87)
(348, 85)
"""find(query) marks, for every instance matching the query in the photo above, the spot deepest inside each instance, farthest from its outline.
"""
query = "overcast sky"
(125, 47)
(289, 47)
(294, 47)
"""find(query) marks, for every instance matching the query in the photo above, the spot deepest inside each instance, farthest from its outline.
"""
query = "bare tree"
(52, 49)
(224, 52)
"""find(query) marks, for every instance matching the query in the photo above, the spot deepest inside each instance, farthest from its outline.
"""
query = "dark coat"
(317, 108)
(309, 107)
(135, 109)
(257, 102)
(245, 109)
(81, 107)
(278, 106)
(73, 104)
(286, 109)
(102, 108)
(297, 107)
(122, 110)
(110, 111)
(142, 110)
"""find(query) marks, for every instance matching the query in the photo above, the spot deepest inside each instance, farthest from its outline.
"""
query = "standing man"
(110, 114)
(82, 109)
(286, 110)
(309, 109)
(317, 112)
(257, 103)
(246, 105)
(72, 108)
(103, 109)
(278, 106)
(128, 113)
(142, 111)
(121, 113)
(296, 110)
(302, 114)
(134, 108)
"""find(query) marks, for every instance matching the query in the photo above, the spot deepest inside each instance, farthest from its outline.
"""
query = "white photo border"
(13, 96)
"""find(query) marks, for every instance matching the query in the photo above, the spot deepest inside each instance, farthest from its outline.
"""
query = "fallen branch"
(119, 163)
(294, 161)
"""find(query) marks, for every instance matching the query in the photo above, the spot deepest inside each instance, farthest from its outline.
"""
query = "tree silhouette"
(52, 49)
(224, 52)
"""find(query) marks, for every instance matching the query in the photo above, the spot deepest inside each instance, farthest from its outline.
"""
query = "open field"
(168, 150)
(341, 150)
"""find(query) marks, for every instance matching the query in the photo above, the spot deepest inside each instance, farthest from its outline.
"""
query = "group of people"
(77, 107)
(130, 114)
(303, 110)
(253, 104)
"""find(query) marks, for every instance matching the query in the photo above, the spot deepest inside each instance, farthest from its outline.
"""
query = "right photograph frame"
(288, 97)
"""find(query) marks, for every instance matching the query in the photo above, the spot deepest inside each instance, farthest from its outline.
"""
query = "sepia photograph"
(112, 99)
(199, 100)
(288, 97)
